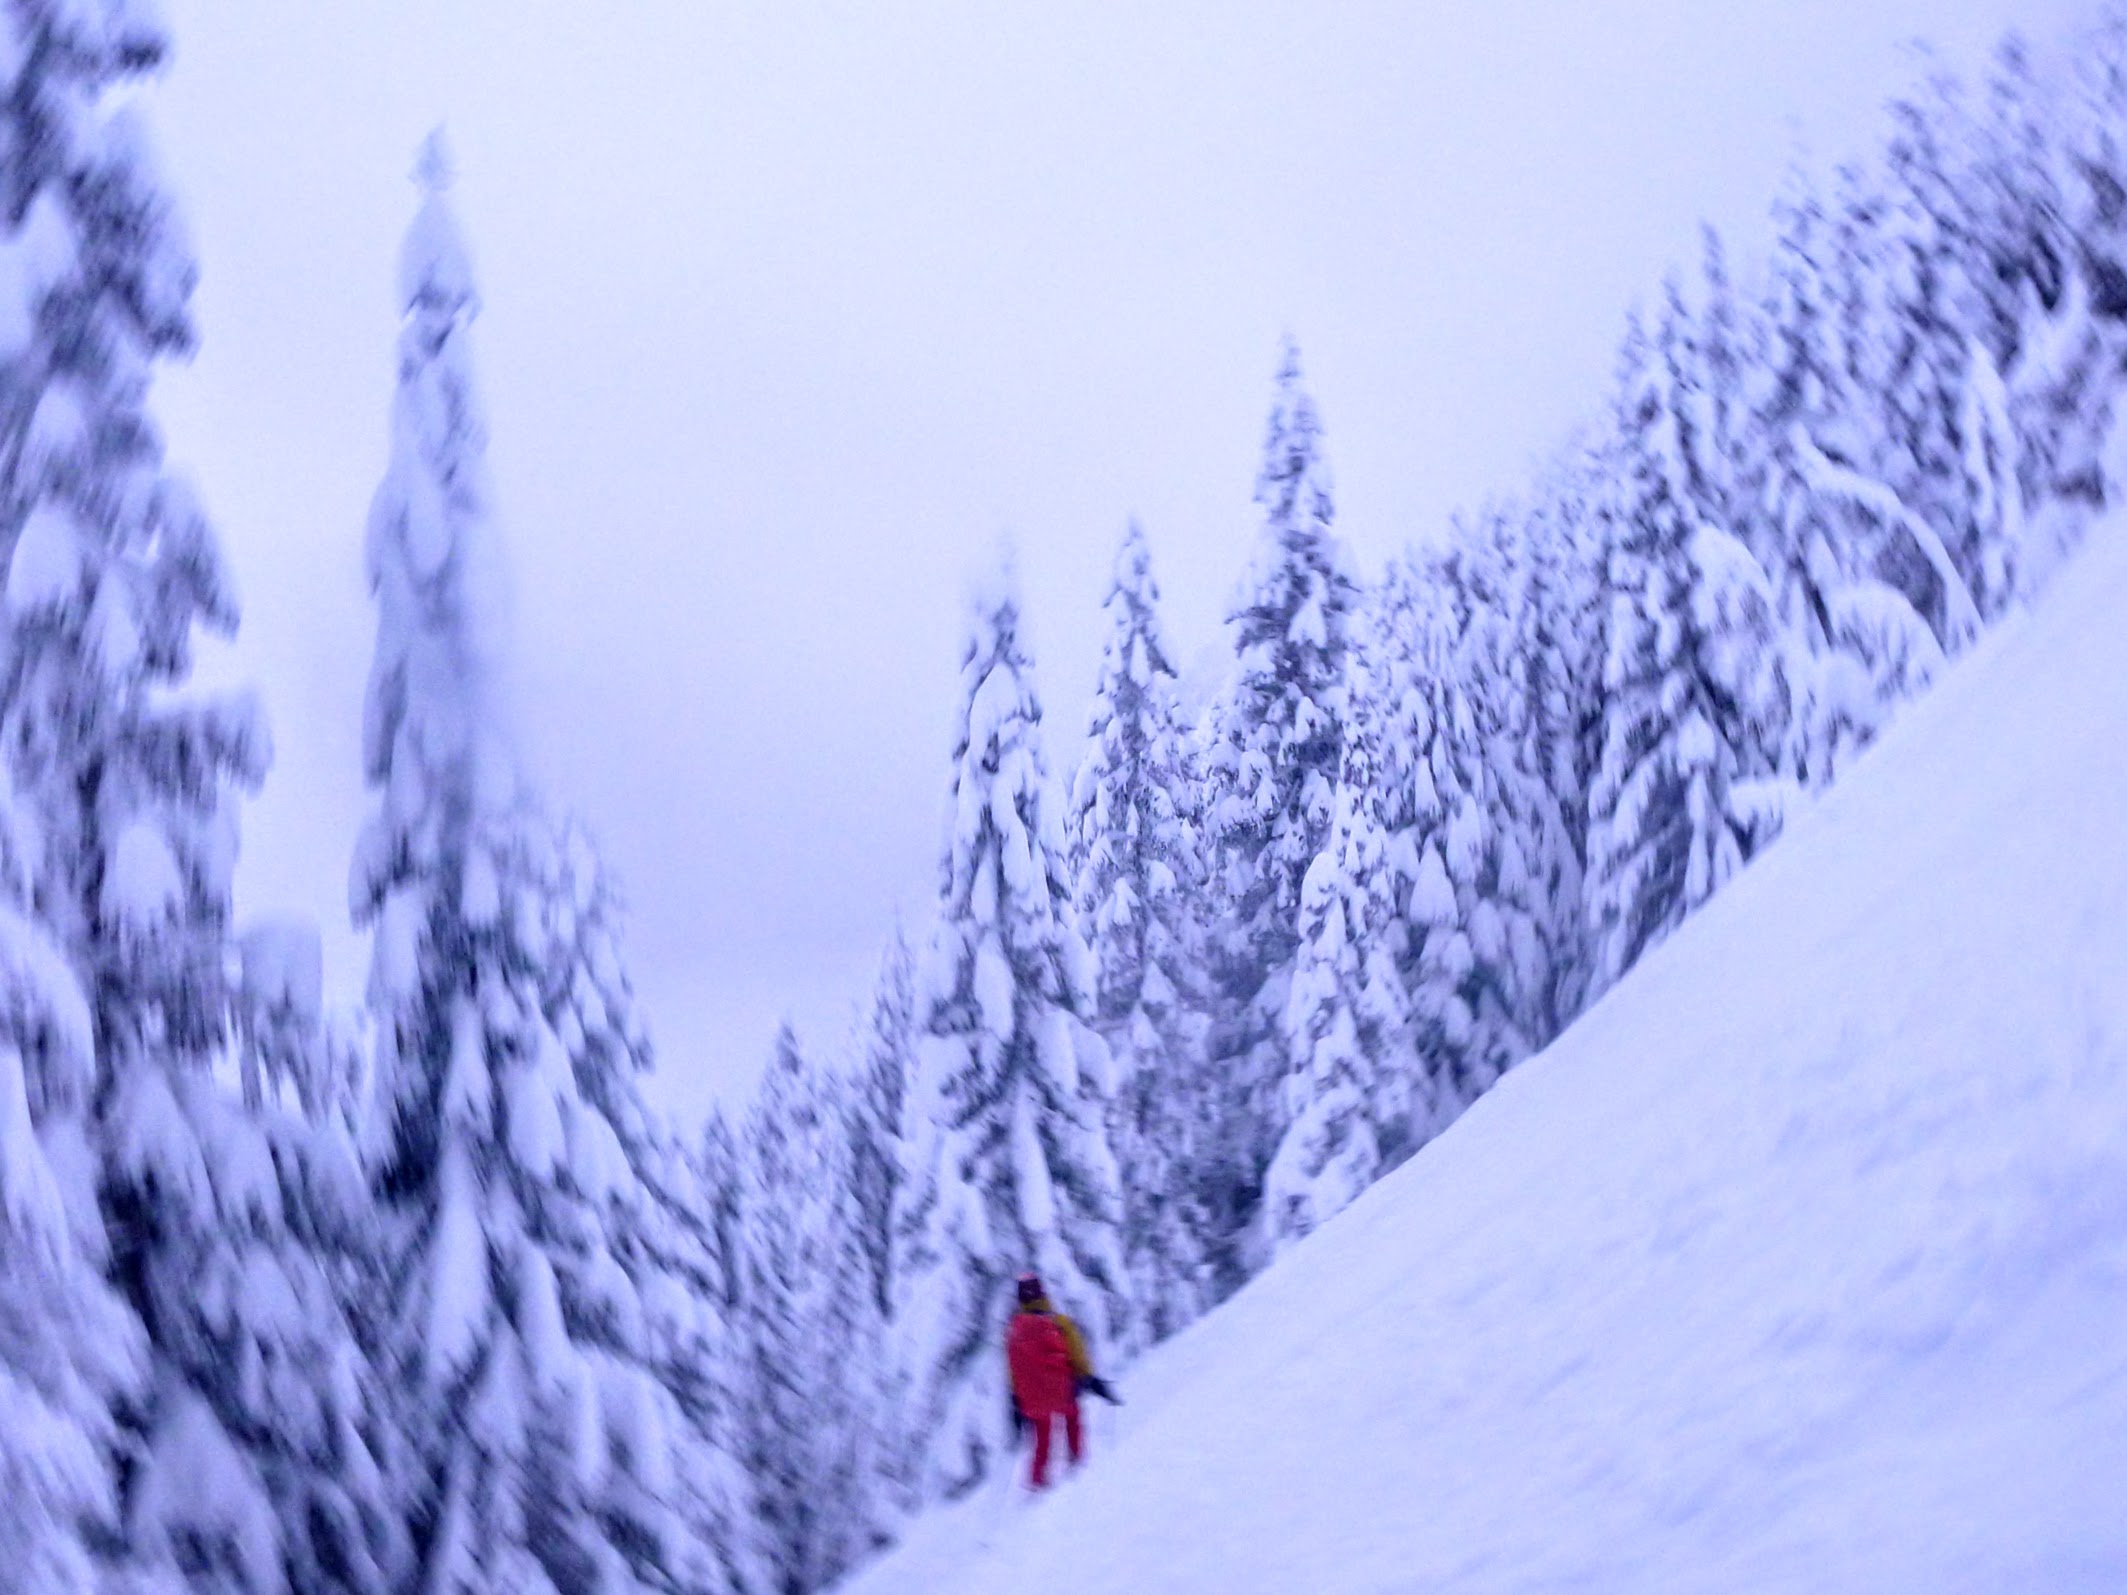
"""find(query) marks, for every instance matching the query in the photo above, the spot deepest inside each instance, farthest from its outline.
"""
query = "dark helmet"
(1029, 1289)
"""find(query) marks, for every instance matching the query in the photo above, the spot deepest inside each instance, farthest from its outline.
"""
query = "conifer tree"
(73, 1354)
(790, 1172)
(70, 1350)
(878, 1150)
(1936, 303)
(1563, 686)
(121, 790)
(2062, 401)
(1928, 297)
(1836, 542)
(856, 1377)
(810, 1375)
(1506, 895)
(638, 1276)
(1348, 1102)
(268, 1469)
(877, 1132)
(1010, 1162)
(718, 1177)
(1431, 794)
(1277, 742)
(539, 1438)
(1668, 825)
(692, 1347)
(463, 1290)
(1139, 870)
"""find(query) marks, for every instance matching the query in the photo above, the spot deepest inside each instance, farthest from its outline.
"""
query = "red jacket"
(1043, 1380)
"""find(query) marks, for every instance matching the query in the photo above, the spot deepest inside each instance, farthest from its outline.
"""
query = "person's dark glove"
(1019, 1419)
(1098, 1386)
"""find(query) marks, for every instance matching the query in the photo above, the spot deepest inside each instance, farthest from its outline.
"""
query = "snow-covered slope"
(1799, 1264)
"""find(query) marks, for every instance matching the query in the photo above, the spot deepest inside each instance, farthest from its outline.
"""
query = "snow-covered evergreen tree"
(1561, 648)
(1833, 540)
(2064, 393)
(639, 1281)
(1942, 293)
(878, 1110)
(788, 1167)
(691, 1348)
(1671, 820)
(858, 1380)
(1919, 368)
(2014, 212)
(1011, 1166)
(1431, 809)
(809, 1343)
(1276, 744)
(1138, 865)
(247, 1472)
(539, 1435)
(1748, 660)
(718, 1177)
(877, 1129)
(111, 566)
(267, 1463)
(424, 881)
(1348, 1102)
(69, 1348)
(1507, 894)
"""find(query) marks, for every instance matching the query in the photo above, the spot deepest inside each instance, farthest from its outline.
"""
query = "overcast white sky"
(792, 308)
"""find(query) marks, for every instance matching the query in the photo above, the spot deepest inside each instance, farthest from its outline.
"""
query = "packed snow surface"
(1799, 1264)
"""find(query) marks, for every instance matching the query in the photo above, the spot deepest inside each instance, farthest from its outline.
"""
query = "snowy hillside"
(1800, 1263)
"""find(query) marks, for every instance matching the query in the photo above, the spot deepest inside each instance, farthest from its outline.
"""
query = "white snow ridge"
(1798, 1264)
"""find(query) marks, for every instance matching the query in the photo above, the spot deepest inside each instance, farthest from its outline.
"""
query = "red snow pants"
(1074, 1437)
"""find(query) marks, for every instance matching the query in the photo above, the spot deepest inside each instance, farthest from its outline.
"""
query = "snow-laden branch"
(1846, 485)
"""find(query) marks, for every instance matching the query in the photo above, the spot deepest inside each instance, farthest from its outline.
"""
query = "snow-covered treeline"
(427, 1298)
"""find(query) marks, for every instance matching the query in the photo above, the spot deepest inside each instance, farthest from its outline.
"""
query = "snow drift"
(1800, 1263)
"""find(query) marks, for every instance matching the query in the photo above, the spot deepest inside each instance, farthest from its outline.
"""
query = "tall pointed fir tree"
(807, 1346)
(786, 1170)
(72, 1353)
(1010, 1161)
(1747, 660)
(1929, 294)
(691, 1346)
(1934, 303)
(1979, 228)
(857, 1372)
(1563, 676)
(1430, 810)
(1276, 744)
(877, 1118)
(1673, 815)
(1138, 866)
(1504, 896)
(120, 797)
(1827, 532)
(538, 1438)
(876, 1126)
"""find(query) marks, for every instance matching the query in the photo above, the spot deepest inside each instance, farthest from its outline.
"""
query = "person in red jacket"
(1045, 1374)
